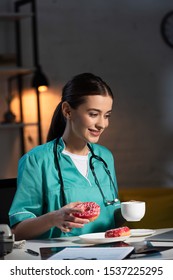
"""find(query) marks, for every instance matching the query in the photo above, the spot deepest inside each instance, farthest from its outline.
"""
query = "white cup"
(133, 211)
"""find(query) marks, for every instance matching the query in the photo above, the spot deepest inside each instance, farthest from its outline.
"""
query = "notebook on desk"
(118, 250)
(92, 253)
(165, 236)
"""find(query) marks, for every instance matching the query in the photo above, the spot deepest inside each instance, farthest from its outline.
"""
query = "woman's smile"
(91, 118)
(86, 123)
(95, 133)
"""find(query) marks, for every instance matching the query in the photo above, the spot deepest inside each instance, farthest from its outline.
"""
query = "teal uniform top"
(38, 188)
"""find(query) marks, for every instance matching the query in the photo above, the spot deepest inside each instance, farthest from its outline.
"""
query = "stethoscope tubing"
(93, 156)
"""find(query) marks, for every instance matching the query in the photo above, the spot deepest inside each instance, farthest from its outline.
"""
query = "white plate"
(141, 232)
(99, 237)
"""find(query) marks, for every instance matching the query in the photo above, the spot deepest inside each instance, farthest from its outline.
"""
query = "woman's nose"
(101, 123)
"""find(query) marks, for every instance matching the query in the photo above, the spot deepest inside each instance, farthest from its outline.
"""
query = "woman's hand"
(64, 219)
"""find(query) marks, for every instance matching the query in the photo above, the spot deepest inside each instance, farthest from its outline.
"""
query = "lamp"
(39, 80)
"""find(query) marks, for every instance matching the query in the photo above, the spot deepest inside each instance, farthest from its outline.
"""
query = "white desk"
(20, 254)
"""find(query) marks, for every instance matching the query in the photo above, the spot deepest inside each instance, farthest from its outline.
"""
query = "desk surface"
(137, 242)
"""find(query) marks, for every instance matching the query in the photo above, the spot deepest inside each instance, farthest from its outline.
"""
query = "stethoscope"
(93, 156)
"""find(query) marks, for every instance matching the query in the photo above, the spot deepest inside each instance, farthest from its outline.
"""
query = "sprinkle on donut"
(90, 211)
(117, 232)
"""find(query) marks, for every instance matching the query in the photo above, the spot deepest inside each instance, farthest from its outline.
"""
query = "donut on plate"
(90, 211)
(117, 232)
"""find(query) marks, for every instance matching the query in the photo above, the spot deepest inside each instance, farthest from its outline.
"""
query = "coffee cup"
(133, 211)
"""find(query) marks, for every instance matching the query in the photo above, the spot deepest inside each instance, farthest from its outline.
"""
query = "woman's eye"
(107, 116)
(93, 115)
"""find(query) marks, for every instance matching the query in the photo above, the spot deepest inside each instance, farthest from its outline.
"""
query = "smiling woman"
(87, 122)
(70, 168)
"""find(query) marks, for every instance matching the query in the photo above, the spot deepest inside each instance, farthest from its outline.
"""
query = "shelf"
(12, 67)
(16, 125)
(12, 71)
(14, 16)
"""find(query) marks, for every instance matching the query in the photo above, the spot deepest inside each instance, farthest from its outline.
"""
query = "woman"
(70, 167)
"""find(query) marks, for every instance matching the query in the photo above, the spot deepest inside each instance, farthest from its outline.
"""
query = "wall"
(120, 41)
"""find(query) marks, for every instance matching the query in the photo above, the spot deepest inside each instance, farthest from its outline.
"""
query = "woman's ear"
(66, 110)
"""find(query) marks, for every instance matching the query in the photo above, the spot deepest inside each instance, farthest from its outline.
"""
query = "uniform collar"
(61, 145)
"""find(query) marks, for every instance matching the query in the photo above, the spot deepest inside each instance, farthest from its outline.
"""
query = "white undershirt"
(81, 162)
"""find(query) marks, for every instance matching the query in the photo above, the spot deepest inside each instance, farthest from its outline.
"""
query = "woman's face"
(90, 119)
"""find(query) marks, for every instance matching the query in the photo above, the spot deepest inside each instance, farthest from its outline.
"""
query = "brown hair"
(74, 92)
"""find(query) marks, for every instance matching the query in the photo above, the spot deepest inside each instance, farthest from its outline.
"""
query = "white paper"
(106, 253)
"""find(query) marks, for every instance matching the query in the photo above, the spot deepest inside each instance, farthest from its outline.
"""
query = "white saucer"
(99, 237)
(141, 232)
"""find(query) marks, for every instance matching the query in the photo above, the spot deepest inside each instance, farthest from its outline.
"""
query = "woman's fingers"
(72, 222)
(68, 221)
(77, 220)
(72, 208)
(67, 226)
(68, 216)
(71, 205)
